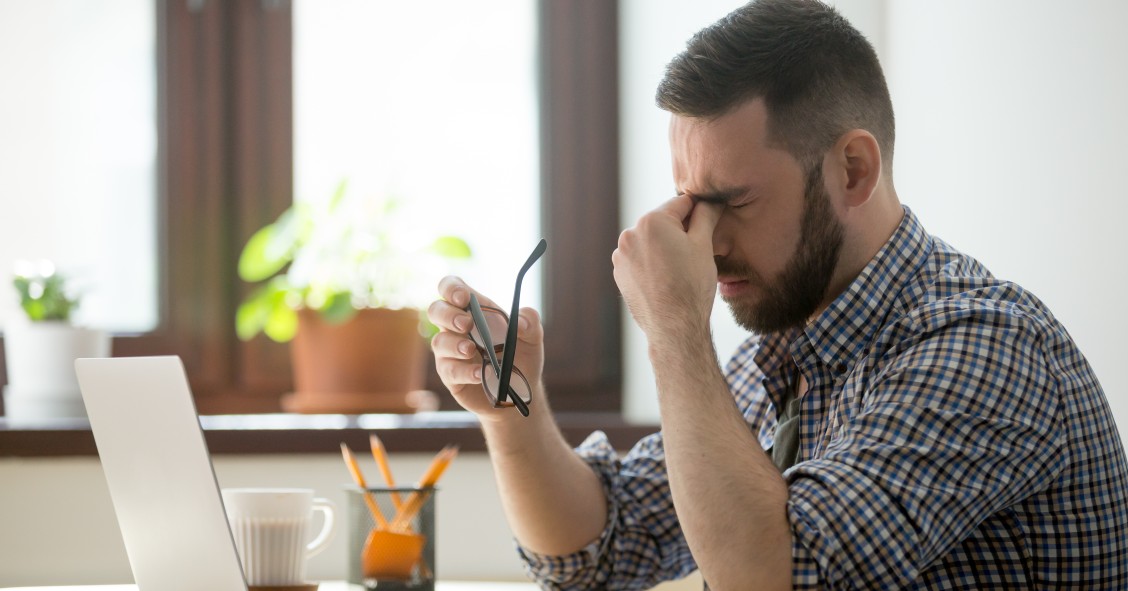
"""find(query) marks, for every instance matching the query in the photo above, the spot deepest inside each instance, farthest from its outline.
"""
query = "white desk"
(326, 586)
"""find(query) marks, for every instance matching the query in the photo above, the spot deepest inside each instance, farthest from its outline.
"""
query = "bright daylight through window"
(435, 105)
(78, 154)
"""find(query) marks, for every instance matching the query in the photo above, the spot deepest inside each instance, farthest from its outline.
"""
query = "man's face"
(776, 245)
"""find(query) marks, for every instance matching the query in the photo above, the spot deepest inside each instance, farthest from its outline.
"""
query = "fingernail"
(460, 298)
(522, 323)
(465, 348)
(478, 373)
(462, 323)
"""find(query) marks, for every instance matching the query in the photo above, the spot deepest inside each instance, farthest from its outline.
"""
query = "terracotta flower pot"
(372, 363)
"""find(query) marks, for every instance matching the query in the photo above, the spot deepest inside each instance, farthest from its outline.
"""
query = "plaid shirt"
(952, 437)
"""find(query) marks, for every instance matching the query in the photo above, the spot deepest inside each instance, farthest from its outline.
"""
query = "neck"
(868, 227)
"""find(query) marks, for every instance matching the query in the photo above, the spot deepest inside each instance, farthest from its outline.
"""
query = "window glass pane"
(434, 102)
(78, 153)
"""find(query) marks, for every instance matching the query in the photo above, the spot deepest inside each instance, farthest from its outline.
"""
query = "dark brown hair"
(818, 76)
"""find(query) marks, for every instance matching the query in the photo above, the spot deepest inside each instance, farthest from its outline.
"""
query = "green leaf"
(257, 261)
(282, 323)
(251, 316)
(338, 308)
(451, 247)
(45, 297)
(35, 309)
(262, 307)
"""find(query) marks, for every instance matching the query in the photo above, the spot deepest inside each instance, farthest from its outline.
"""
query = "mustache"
(734, 268)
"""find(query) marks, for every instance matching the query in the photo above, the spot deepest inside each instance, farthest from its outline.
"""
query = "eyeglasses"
(504, 384)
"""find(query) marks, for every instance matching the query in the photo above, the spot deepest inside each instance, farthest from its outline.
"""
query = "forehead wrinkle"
(691, 157)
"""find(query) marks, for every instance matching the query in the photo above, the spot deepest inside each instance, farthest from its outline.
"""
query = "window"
(225, 108)
(450, 132)
(79, 152)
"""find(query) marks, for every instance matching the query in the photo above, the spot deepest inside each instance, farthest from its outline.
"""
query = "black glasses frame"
(504, 370)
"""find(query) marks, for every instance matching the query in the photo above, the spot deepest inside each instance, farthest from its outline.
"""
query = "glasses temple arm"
(511, 336)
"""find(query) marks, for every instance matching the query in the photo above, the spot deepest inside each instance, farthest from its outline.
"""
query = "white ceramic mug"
(271, 526)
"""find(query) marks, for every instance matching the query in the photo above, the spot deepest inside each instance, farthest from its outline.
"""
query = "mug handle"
(318, 544)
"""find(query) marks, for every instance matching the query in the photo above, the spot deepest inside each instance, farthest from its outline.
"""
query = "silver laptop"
(159, 474)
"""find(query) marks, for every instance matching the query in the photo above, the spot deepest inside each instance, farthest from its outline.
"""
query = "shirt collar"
(843, 332)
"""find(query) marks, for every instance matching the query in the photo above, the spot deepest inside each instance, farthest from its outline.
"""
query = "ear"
(852, 168)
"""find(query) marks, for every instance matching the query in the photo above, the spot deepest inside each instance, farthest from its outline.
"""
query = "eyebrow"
(719, 196)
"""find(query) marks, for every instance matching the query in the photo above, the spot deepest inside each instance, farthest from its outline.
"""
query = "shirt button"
(840, 368)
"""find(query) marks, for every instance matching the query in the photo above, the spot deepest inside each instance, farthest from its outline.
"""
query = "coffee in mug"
(271, 528)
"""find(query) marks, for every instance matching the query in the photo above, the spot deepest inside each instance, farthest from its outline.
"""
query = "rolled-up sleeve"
(642, 543)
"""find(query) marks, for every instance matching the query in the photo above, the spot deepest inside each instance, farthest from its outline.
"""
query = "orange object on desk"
(391, 555)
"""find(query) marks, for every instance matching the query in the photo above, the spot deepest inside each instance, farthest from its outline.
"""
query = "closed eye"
(736, 197)
(741, 201)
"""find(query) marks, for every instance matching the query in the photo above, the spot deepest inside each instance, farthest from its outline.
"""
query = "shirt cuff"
(579, 570)
(805, 569)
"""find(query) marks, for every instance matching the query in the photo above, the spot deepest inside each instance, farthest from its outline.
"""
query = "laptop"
(160, 476)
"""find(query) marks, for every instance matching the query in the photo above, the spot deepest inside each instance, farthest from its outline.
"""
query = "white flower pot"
(39, 360)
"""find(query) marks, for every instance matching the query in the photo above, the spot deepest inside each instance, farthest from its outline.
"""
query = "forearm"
(552, 499)
(730, 498)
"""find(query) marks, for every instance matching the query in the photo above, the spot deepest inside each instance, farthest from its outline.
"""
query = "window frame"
(225, 168)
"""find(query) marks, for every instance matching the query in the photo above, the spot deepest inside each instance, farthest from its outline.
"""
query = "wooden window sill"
(312, 434)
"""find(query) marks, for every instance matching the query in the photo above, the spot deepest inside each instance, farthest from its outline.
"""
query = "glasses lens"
(517, 384)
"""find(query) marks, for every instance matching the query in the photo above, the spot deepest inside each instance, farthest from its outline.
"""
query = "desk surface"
(326, 586)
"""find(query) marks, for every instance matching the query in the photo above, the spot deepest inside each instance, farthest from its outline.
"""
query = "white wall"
(1011, 124)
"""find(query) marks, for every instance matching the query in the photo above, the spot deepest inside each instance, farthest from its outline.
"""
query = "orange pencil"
(430, 478)
(381, 456)
(354, 468)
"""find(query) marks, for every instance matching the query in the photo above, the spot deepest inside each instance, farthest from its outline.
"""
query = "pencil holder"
(399, 553)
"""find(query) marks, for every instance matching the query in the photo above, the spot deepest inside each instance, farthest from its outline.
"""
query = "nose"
(722, 241)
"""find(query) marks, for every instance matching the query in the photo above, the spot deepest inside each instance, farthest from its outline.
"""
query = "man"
(899, 417)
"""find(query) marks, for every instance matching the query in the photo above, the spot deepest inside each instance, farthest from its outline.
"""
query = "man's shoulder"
(953, 285)
(955, 296)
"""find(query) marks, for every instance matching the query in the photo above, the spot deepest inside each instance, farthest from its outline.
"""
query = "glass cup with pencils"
(391, 529)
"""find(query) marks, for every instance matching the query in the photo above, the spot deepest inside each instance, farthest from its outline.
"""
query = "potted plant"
(341, 280)
(41, 345)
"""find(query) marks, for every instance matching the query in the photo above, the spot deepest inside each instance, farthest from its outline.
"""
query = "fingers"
(449, 317)
(704, 220)
(455, 291)
(678, 208)
(456, 359)
(452, 345)
(529, 328)
(449, 312)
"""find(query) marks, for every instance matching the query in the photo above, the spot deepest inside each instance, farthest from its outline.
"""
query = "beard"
(792, 297)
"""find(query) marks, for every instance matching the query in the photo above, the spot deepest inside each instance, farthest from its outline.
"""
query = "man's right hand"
(457, 359)
(553, 500)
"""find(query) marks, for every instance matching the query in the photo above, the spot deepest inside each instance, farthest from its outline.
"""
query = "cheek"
(764, 242)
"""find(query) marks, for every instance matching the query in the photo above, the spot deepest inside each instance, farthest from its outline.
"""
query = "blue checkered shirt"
(952, 437)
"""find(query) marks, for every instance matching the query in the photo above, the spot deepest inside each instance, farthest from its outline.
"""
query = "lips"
(732, 286)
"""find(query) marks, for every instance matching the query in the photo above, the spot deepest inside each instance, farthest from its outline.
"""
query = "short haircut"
(819, 77)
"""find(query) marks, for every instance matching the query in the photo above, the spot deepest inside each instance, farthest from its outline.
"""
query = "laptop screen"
(159, 474)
